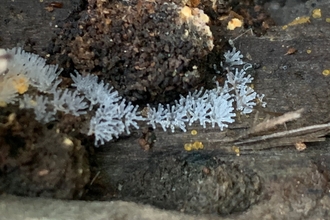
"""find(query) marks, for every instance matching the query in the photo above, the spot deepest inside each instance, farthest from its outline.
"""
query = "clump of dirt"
(149, 51)
(143, 48)
(39, 161)
(195, 183)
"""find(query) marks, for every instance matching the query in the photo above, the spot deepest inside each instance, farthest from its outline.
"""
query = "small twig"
(271, 123)
(94, 178)
(290, 133)
(231, 41)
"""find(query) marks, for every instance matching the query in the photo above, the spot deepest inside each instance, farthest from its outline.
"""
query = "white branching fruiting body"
(113, 115)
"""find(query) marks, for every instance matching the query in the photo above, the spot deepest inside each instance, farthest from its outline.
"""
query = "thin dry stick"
(290, 133)
(271, 123)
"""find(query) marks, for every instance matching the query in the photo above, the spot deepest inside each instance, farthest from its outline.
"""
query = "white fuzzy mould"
(114, 116)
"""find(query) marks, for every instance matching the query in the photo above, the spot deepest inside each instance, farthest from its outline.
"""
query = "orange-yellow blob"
(188, 147)
(193, 132)
(326, 72)
(198, 145)
(185, 13)
(234, 23)
(21, 84)
(317, 13)
(236, 150)
(298, 20)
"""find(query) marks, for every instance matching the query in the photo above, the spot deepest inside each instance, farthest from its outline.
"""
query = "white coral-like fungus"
(114, 115)
(206, 106)
(234, 57)
(69, 102)
(112, 119)
(40, 75)
(40, 106)
(96, 92)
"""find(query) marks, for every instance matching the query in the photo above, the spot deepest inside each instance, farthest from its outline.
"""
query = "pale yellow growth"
(10, 86)
(326, 72)
(68, 142)
(298, 20)
(197, 145)
(11, 83)
(197, 18)
(234, 23)
(188, 13)
(193, 132)
(317, 13)
(185, 13)
(236, 150)
(188, 147)
(21, 84)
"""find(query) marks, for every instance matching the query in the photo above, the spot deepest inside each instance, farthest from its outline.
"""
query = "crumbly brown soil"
(273, 182)
(38, 160)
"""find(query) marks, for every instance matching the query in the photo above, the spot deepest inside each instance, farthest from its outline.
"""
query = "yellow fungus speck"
(309, 51)
(185, 12)
(327, 20)
(326, 72)
(198, 145)
(193, 132)
(236, 150)
(68, 142)
(300, 146)
(11, 117)
(234, 23)
(188, 147)
(21, 84)
(317, 13)
(298, 20)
